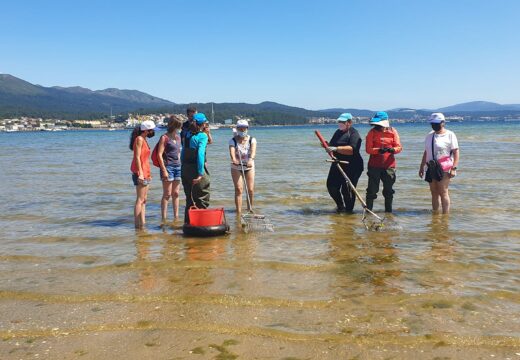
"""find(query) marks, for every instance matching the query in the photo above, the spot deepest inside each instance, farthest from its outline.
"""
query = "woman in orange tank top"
(140, 168)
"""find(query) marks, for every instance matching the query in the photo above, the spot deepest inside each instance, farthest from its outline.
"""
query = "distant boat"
(212, 125)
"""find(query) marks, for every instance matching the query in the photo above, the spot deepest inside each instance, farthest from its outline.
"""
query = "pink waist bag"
(446, 163)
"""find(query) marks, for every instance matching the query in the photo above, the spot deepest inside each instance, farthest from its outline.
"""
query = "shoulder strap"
(433, 139)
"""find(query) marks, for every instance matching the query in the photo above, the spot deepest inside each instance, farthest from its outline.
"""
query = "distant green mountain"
(479, 106)
(265, 113)
(21, 98)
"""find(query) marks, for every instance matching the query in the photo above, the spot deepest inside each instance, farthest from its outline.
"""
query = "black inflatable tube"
(205, 231)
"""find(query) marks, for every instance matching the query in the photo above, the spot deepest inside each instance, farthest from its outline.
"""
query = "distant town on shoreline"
(121, 123)
(28, 107)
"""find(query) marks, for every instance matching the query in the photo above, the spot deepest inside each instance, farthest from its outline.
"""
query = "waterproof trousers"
(338, 188)
(387, 177)
(198, 194)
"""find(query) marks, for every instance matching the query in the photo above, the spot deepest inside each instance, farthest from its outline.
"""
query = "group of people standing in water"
(438, 165)
(180, 155)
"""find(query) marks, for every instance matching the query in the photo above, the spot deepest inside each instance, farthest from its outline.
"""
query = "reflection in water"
(442, 246)
(155, 254)
(367, 260)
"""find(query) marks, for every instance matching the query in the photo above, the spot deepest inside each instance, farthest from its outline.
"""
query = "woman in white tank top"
(242, 146)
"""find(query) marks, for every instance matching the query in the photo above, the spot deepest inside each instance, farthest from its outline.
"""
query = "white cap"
(147, 125)
(436, 118)
(242, 123)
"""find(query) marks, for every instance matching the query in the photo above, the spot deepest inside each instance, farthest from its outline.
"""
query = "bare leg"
(167, 193)
(176, 186)
(434, 189)
(250, 180)
(237, 182)
(444, 194)
(140, 206)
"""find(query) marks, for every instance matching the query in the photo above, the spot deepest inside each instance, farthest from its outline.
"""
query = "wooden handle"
(324, 143)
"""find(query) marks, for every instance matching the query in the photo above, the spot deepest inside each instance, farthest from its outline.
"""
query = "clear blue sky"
(375, 54)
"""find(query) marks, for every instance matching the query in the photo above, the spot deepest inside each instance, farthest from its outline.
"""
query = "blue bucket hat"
(345, 117)
(380, 118)
(200, 118)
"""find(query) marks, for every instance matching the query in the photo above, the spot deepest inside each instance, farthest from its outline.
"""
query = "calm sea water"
(71, 262)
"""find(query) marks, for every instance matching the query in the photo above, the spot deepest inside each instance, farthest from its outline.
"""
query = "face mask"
(342, 126)
(150, 134)
(242, 133)
(436, 127)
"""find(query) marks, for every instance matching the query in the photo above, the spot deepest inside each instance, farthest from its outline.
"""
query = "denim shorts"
(174, 172)
(135, 179)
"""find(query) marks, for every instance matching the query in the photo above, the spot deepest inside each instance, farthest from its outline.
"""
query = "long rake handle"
(324, 144)
(249, 205)
(354, 190)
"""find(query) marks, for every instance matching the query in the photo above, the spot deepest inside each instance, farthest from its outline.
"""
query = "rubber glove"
(331, 149)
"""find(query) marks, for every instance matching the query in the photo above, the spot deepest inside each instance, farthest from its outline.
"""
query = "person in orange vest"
(382, 142)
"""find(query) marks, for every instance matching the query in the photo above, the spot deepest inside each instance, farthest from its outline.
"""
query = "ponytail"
(135, 133)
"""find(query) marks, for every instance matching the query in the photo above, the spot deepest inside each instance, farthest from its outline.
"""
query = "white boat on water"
(212, 124)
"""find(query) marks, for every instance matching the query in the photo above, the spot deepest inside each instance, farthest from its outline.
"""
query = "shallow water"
(76, 275)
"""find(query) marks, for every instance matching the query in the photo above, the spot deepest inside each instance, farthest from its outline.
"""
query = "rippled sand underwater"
(77, 281)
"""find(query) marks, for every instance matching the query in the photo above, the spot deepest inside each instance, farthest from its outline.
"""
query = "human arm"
(369, 145)
(453, 170)
(208, 133)
(232, 152)
(202, 140)
(137, 157)
(252, 156)
(343, 149)
(423, 163)
(160, 153)
(353, 145)
(396, 143)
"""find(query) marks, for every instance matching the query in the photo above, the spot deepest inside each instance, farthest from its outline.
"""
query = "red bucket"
(206, 217)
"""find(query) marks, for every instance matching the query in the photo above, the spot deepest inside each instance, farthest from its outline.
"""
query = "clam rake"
(255, 222)
(370, 219)
(251, 221)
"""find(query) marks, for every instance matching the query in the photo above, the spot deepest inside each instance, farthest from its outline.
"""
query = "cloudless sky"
(373, 54)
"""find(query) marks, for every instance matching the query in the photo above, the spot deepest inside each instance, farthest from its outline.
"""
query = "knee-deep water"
(77, 280)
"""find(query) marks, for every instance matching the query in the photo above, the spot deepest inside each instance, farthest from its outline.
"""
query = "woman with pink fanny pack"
(440, 158)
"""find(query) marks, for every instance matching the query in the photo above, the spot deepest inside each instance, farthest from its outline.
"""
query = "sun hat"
(345, 117)
(147, 125)
(242, 123)
(380, 118)
(200, 118)
(437, 118)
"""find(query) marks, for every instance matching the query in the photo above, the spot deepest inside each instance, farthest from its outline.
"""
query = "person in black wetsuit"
(345, 145)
